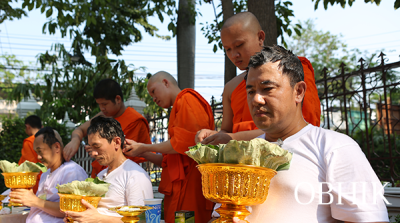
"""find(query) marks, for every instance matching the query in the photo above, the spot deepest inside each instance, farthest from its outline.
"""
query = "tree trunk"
(186, 43)
(230, 68)
(264, 10)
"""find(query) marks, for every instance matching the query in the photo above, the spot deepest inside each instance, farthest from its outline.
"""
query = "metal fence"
(364, 104)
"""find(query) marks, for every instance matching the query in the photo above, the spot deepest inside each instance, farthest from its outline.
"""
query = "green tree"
(12, 72)
(323, 49)
(100, 27)
(349, 2)
(9, 13)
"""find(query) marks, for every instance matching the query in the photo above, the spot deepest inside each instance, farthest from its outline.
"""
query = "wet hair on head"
(108, 128)
(108, 89)
(289, 63)
(34, 121)
(50, 136)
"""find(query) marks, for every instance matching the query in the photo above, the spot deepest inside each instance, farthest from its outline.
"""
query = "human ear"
(57, 147)
(118, 142)
(118, 99)
(300, 91)
(165, 82)
(261, 37)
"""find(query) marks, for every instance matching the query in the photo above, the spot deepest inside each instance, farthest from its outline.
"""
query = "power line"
(370, 44)
(137, 44)
(8, 38)
(360, 37)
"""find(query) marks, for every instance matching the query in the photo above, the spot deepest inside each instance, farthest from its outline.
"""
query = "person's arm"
(28, 198)
(91, 215)
(223, 136)
(76, 138)
(153, 157)
(133, 148)
(138, 131)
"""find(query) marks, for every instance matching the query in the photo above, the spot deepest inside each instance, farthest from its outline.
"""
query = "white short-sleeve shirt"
(66, 173)
(130, 185)
(323, 162)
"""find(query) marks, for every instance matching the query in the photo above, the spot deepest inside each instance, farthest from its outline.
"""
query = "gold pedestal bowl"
(2, 198)
(131, 216)
(235, 186)
(72, 202)
(19, 180)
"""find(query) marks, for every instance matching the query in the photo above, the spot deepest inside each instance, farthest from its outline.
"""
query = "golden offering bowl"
(72, 202)
(130, 216)
(235, 186)
(2, 198)
(20, 180)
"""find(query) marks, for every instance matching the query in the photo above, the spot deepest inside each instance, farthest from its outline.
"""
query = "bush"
(13, 134)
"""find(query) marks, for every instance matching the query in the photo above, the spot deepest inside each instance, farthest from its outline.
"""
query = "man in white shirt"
(45, 206)
(326, 165)
(130, 184)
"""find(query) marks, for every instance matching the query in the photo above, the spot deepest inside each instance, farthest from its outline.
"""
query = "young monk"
(32, 125)
(180, 179)
(242, 37)
(109, 97)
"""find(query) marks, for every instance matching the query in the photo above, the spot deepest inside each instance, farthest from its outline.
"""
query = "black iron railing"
(364, 104)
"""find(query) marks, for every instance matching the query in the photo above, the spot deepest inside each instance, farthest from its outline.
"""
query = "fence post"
(325, 70)
(365, 106)
(342, 65)
(388, 124)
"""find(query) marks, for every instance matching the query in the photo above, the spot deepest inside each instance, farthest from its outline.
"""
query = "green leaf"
(49, 12)
(215, 48)
(298, 32)
(397, 4)
(31, 6)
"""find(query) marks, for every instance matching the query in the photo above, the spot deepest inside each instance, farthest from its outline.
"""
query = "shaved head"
(161, 75)
(247, 20)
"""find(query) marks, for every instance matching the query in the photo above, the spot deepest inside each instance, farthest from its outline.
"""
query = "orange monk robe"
(242, 120)
(135, 127)
(28, 153)
(180, 179)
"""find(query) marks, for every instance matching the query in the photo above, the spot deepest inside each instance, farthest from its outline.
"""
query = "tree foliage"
(12, 72)
(323, 49)
(9, 13)
(99, 27)
(349, 2)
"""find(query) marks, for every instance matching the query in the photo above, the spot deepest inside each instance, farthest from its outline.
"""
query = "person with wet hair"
(45, 205)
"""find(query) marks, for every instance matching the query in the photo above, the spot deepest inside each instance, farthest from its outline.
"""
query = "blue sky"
(363, 26)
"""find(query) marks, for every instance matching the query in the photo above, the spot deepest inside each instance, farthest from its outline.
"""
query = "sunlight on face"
(104, 150)
(270, 97)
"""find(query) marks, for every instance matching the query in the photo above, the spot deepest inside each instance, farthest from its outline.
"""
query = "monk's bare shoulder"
(232, 84)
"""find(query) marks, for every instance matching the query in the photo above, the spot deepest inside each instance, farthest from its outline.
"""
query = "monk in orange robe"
(32, 125)
(242, 37)
(109, 97)
(180, 179)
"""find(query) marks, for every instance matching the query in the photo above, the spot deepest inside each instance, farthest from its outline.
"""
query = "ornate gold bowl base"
(235, 186)
(131, 216)
(72, 202)
(2, 198)
(24, 180)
